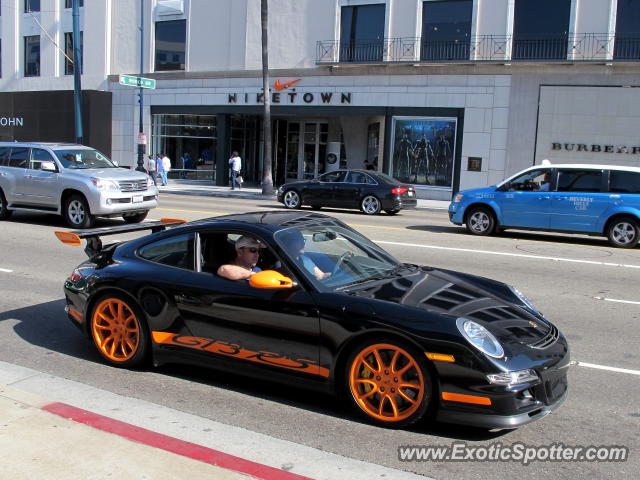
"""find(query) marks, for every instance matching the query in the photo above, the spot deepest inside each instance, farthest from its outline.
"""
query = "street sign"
(142, 138)
(132, 81)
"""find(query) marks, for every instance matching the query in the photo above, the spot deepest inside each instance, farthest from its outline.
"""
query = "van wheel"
(4, 211)
(134, 217)
(480, 221)
(623, 232)
(76, 212)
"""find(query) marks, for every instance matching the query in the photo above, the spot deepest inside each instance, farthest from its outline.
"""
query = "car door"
(322, 192)
(15, 176)
(579, 200)
(522, 201)
(348, 193)
(269, 327)
(41, 186)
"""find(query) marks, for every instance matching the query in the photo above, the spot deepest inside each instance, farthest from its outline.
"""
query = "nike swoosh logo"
(281, 86)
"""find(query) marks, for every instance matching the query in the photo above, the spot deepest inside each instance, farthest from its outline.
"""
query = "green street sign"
(132, 81)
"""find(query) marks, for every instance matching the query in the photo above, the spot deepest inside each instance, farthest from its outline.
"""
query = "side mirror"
(48, 166)
(270, 279)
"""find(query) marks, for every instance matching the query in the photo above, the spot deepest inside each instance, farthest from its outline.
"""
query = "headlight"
(513, 378)
(458, 198)
(522, 298)
(105, 185)
(480, 337)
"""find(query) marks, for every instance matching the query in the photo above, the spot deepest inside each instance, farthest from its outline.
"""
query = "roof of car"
(52, 145)
(273, 218)
(589, 166)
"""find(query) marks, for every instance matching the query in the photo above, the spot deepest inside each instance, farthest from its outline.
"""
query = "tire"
(392, 211)
(480, 221)
(4, 211)
(118, 331)
(382, 396)
(370, 205)
(76, 212)
(291, 199)
(623, 232)
(134, 217)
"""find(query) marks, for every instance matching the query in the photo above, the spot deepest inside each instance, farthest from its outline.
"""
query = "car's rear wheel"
(623, 232)
(77, 213)
(135, 217)
(4, 211)
(370, 205)
(119, 332)
(389, 383)
(392, 211)
(480, 221)
(291, 199)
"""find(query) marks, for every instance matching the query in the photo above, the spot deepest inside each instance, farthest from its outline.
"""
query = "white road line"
(5, 270)
(520, 255)
(617, 300)
(611, 369)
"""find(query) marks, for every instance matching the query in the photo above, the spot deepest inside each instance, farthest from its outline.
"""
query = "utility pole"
(77, 67)
(141, 146)
(267, 179)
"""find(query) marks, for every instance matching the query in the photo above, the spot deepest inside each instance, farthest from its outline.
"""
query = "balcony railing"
(586, 47)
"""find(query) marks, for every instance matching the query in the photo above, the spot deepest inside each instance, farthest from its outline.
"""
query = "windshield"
(82, 158)
(334, 256)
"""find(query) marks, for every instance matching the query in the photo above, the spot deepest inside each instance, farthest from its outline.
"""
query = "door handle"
(544, 197)
(614, 196)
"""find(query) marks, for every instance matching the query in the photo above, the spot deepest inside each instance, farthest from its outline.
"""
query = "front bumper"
(112, 204)
(456, 213)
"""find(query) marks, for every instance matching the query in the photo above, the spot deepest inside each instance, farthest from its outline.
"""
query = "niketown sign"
(594, 148)
(283, 92)
(11, 121)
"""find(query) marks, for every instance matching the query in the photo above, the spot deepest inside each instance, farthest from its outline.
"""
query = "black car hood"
(454, 295)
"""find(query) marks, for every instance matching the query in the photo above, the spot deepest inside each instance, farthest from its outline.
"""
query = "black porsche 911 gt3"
(330, 310)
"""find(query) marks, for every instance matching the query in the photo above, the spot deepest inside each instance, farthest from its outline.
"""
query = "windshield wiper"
(381, 276)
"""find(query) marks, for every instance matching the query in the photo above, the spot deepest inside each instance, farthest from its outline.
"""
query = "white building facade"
(443, 94)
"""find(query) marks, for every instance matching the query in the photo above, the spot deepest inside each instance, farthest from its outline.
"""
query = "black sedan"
(369, 191)
(330, 310)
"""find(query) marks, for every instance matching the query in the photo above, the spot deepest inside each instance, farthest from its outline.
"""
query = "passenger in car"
(244, 265)
(295, 241)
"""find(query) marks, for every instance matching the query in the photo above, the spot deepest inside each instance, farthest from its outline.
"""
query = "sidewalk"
(207, 188)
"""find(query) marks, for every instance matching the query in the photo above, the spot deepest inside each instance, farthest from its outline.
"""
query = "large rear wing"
(92, 236)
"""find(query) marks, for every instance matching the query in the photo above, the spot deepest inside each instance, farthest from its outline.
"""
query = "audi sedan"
(330, 310)
(366, 190)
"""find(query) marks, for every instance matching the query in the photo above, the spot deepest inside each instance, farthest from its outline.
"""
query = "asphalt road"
(588, 289)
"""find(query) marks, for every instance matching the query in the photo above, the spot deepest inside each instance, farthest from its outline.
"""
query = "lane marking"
(506, 254)
(5, 270)
(170, 444)
(617, 300)
(208, 212)
(610, 369)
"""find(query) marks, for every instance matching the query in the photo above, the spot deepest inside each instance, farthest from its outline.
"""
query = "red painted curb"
(170, 444)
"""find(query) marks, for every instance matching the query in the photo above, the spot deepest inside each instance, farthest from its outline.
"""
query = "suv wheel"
(623, 232)
(4, 211)
(76, 212)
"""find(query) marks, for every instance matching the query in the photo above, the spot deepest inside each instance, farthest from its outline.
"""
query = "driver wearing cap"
(244, 265)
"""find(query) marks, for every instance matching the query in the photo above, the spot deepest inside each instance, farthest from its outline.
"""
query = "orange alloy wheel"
(387, 382)
(116, 330)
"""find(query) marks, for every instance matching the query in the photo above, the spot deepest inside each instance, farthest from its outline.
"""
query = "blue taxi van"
(586, 199)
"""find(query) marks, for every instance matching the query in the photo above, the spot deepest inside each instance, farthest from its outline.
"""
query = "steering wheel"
(340, 261)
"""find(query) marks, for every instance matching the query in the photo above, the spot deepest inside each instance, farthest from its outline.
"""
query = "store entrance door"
(306, 149)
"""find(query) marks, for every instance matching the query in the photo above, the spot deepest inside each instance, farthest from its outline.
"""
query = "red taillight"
(398, 190)
(75, 277)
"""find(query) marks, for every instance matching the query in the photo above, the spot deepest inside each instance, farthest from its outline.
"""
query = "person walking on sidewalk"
(152, 169)
(235, 165)
(166, 168)
(160, 169)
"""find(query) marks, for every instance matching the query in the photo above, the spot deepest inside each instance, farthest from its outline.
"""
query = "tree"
(267, 179)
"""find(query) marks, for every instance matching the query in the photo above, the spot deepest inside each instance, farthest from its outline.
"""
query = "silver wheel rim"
(479, 222)
(76, 212)
(370, 205)
(291, 199)
(623, 233)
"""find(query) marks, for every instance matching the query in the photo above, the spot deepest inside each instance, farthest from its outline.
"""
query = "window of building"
(541, 29)
(171, 40)
(446, 29)
(362, 33)
(627, 41)
(68, 50)
(32, 56)
(69, 3)
(31, 6)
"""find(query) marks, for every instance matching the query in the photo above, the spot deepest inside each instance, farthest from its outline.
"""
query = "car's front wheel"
(370, 205)
(291, 199)
(480, 221)
(4, 211)
(76, 212)
(134, 217)
(118, 331)
(389, 383)
(623, 232)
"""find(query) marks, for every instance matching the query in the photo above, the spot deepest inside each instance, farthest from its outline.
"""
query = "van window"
(580, 180)
(625, 182)
(5, 153)
(19, 157)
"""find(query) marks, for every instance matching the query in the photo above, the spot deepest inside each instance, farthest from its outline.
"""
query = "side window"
(579, 180)
(19, 157)
(625, 182)
(174, 251)
(38, 156)
(337, 176)
(370, 180)
(5, 153)
(530, 181)
(356, 177)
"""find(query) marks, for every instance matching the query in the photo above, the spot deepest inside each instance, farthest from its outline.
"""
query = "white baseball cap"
(246, 241)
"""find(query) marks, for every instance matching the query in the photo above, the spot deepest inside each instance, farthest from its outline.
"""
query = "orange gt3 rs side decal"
(233, 350)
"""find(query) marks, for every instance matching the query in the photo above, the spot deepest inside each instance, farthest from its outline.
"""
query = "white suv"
(71, 180)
